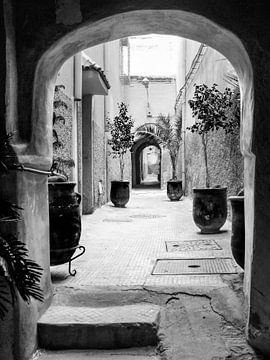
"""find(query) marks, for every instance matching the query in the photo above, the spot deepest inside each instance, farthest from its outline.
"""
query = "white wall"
(161, 98)
(65, 77)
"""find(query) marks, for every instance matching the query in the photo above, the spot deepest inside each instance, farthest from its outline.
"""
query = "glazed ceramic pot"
(119, 193)
(174, 190)
(65, 221)
(210, 209)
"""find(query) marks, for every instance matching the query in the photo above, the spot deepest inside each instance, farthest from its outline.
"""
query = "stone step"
(69, 327)
(132, 354)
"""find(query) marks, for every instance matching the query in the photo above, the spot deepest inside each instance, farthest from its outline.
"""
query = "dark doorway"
(146, 163)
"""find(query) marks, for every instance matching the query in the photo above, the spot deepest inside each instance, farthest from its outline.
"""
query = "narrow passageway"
(123, 244)
(201, 315)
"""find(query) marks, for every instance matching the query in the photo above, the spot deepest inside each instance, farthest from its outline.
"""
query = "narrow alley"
(200, 305)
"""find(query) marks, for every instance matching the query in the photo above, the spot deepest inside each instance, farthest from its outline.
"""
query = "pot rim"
(210, 189)
(236, 198)
(120, 181)
(62, 182)
(175, 181)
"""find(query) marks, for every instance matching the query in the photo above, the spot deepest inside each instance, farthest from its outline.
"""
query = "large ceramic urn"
(65, 221)
(210, 209)
(119, 193)
(174, 190)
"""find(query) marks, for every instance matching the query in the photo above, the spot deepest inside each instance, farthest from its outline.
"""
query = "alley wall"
(225, 159)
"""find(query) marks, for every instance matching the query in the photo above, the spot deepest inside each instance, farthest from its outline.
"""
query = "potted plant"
(211, 109)
(168, 132)
(64, 202)
(121, 141)
(19, 275)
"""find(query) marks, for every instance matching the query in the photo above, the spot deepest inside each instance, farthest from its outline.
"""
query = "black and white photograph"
(134, 180)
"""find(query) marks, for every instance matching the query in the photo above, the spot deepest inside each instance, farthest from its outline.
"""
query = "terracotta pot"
(174, 190)
(119, 193)
(238, 229)
(210, 209)
(65, 221)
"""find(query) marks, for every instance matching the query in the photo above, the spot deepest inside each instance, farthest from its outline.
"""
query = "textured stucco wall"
(226, 163)
(65, 77)
(99, 155)
(64, 130)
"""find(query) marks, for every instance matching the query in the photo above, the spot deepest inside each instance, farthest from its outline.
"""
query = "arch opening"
(146, 163)
(170, 22)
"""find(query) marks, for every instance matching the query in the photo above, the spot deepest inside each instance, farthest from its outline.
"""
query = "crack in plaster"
(171, 298)
(174, 297)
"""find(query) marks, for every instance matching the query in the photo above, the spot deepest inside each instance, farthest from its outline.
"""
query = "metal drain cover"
(194, 266)
(147, 216)
(192, 245)
(117, 220)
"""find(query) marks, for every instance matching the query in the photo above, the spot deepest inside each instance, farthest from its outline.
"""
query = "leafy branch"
(213, 110)
(21, 274)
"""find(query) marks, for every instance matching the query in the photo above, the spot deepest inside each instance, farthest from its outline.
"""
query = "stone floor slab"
(69, 327)
(122, 354)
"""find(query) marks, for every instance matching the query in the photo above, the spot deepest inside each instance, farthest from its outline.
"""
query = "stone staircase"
(115, 327)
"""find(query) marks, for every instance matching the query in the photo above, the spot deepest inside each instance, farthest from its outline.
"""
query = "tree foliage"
(211, 108)
(214, 110)
(122, 137)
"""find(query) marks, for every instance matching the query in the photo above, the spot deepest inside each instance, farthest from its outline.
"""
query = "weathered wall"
(162, 95)
(65, 77)
(98, 148)
(64, 131)
(226, 163)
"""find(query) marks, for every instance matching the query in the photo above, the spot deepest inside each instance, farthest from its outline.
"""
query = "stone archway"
(136, 152)
(61, 36)
(171, 22)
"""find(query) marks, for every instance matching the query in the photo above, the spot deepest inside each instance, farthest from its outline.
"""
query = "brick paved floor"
(122, 244)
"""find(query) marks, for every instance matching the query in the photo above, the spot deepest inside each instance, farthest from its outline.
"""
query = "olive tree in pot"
(211, 108)
(168, 132)
(121, 141)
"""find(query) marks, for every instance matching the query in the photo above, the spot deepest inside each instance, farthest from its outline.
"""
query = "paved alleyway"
(123, 244)
(201, 317)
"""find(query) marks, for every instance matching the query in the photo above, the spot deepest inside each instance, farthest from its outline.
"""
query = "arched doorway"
(101, 29)
(146, 161)
(177, 23)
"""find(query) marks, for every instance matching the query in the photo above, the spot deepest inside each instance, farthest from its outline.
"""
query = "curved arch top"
(171, 22)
